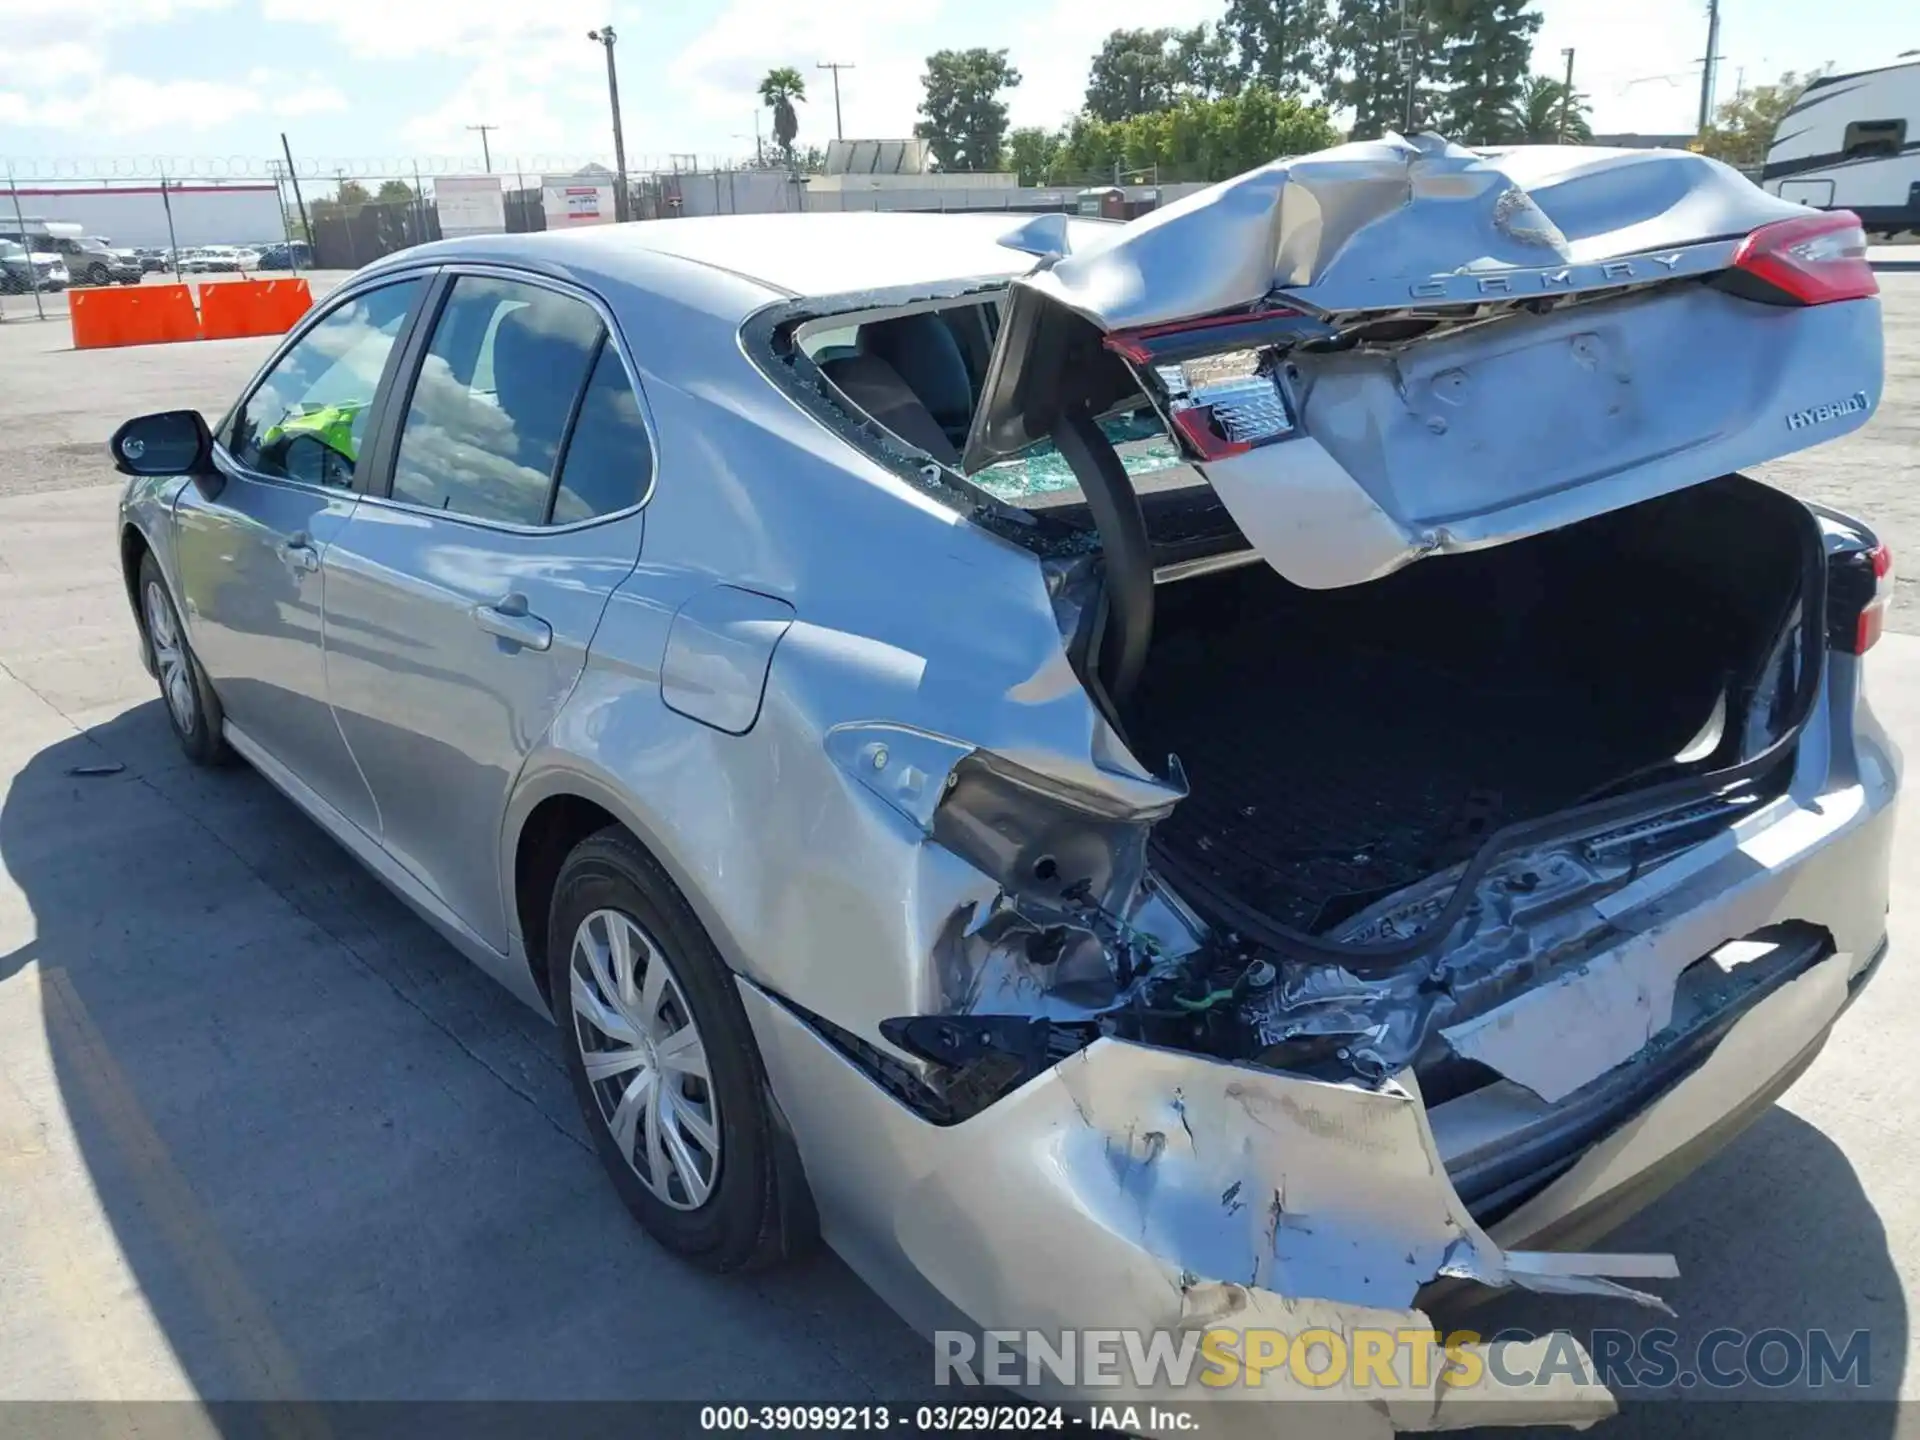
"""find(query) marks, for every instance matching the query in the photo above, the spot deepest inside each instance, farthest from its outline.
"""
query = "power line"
(836, 66)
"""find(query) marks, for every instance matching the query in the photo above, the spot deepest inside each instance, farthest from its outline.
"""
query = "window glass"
(491, 404)
(1873, 137)
(308, 417)
(1040, 475)
(608, 457)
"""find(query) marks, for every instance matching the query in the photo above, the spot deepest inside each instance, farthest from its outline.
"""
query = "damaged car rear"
(1452, 811)
(1256, 771)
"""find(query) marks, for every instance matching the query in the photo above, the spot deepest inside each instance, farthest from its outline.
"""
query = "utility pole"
(298, 199)
(605, 36)
(1408, 50)
(1566, 97)
(486, 150)
(1707, 69)
(836, 67)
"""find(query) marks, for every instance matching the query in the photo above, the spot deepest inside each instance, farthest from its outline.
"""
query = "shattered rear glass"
(1039, 474)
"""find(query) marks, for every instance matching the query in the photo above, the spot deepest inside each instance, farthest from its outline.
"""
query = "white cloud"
(54, 72)
(530, 69)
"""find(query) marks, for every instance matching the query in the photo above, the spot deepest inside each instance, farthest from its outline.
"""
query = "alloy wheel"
(645, 1059)
(170, 658)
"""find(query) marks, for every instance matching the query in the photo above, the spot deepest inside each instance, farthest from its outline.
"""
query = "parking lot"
(263, 1135)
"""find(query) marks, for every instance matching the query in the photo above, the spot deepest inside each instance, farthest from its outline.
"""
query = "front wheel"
(98, 275)
(193, 710)
(664, 1065)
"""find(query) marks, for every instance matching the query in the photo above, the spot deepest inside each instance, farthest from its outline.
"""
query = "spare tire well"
(557, 824)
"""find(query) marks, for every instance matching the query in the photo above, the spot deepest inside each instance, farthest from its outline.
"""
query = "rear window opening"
(919, 372)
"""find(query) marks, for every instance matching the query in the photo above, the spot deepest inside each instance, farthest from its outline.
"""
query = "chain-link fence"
(204, 217)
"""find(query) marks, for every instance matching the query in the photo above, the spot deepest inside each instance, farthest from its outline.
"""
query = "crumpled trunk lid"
(1459, 350)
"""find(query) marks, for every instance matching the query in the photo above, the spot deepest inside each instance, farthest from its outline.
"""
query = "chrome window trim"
(496, 271)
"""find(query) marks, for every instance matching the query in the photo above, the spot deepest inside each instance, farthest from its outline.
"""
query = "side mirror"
(174, 442)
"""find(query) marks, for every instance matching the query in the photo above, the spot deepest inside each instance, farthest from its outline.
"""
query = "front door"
(461, 604)
(251, 540)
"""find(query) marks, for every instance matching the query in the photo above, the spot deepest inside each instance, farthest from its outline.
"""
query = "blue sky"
(364, 84)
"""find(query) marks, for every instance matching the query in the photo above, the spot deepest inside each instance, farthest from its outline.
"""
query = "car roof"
(832, 253)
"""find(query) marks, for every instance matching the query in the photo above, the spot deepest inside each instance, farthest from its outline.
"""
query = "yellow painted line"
(262, 1366)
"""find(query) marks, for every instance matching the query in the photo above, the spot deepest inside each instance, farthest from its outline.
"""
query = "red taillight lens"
(1859, 590)
(1816, 259)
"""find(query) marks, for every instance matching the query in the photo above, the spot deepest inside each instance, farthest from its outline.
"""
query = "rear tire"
(193, 710)
(745, 1206)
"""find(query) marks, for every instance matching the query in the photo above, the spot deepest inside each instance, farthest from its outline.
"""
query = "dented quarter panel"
(806, 861)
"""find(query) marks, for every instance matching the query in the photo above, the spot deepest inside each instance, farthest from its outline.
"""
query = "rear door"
(462, 597)
(250, 546)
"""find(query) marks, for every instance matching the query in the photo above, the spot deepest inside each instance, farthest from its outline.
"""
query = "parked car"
(290, 255)
(88, 261)
(153, 259)
(1131, 782)
(127, 266)
(23, 271)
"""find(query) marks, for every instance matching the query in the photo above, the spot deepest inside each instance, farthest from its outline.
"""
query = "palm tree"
(1543, 108)
(778, 92)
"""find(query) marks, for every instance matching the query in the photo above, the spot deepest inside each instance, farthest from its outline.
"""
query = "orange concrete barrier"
(233, 308)
(143, 315)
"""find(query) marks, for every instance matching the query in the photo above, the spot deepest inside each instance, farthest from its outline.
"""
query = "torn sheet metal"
(1420, 1400)
(1774, 1038)
(1141, 1189)
(1384, 222)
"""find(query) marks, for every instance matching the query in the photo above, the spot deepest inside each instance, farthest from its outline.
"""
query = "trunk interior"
(1342, 744)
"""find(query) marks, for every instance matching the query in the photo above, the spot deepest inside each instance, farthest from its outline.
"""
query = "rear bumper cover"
(1148, 1190)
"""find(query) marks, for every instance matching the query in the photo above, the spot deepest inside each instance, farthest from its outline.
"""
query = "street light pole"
(486, 151)
(836, 67)
(605, 36)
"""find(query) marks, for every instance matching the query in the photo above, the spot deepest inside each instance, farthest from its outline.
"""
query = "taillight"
(1217, 379)
(1814, 259)
(1859, 590)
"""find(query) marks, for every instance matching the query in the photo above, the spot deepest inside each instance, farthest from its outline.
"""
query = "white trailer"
(1852, 142)
(205, 212)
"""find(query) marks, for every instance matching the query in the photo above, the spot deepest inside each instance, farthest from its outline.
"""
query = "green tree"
(966, 120)
(394, 192)
(1488, 53)
(1133, 74)
(1547, 114)
(1203, 62)
(351, 195)
(1194, 138)
(1368, 76)
(1032, 153)
(779, 91)
(1743, 127)
(1282, 44)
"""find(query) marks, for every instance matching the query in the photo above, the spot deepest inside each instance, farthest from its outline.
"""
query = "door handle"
(297, 550)
(510, 620)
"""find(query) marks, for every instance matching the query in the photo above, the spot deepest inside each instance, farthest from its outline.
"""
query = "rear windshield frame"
(770, 338)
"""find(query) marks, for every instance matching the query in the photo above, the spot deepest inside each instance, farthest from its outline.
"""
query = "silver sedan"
(1122, 782)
